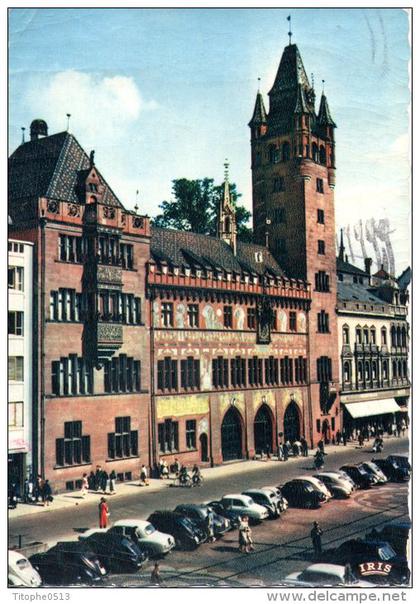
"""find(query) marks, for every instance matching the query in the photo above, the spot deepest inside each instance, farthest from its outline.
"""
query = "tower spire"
(226, 227)
(341, 249)
(289, 18)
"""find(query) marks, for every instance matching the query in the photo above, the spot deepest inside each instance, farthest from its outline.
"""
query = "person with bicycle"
(196, 475)
(184, 477)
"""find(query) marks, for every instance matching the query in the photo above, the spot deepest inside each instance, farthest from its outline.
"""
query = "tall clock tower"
(293, 177)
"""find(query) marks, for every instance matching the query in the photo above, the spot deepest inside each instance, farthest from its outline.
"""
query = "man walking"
(304, 444)
(316, 534)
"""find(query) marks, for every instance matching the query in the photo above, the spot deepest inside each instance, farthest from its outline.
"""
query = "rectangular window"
(15, 323)
(220, 372)
(319, 185)
(124, 441)
(255, 371)
(15, 278)
(71, 248)
(122, 374)
(251, 317)
(320, 216)
(227, 316)
(323, 322)
(321, 246)
(322, 282)
(15, 415)
(74, 448)
(191, 433)
(292, 320)
(16, 369)
(286, 370)
(238, 372)
(190, 373)
(168, 436)
(71, 376)
(324, 372)
(271, 371)
(167, 313)
(167, 374)
(193, 314)
(126, 255)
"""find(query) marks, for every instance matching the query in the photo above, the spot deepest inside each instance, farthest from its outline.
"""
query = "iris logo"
(375, 568)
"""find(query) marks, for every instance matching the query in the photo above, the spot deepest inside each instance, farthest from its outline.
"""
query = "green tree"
(195, 205)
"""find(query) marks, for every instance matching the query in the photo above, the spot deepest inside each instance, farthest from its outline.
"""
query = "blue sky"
(167, 93)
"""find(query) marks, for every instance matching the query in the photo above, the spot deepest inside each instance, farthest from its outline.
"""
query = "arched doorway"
(204, 447)
(263, 430)
(231, 435)
(292, 423)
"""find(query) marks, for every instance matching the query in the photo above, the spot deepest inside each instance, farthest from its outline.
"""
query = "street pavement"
(282, 546)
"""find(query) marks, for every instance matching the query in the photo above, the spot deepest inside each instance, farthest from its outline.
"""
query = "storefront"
(362, 415)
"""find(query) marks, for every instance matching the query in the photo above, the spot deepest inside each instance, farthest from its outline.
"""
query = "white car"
(317, 484)
(145, 535)
(339, 476)
(245, 506)
(284, 504)
(20, 571)
(324, 575)
(338, 486)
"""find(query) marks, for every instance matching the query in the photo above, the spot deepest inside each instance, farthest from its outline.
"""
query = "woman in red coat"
(103, 513)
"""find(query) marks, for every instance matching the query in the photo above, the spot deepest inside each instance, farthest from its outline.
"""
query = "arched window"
(383, 336)
(346, 334)
(367, 370)
(403, 337)
(227, 224)
(385, 370)
(374, 370)
(394, 369)
(399, 369)
(360, 371)
(322, 155)
(404, 369)
(285, 151)
(393, 336)
(365, 335)
(315, 152)
(358, 335)
(398, 336)
(372, 335)
(347, 371)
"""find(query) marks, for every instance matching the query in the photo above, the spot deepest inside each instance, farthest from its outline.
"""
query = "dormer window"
(93, 187)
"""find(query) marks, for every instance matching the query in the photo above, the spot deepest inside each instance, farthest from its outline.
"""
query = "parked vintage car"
(336, 484)
(396, 533)
(361, 477)
(265, 498)
(318, 484)
(116, 552)
(325, 575)
(187, 534)
(245, 506)
(392, 470)
(199, 513)
(233, 516)
(372, 468)
(145, 536)
(69, 563)
(302, 494)
(402, 461)
(283, 503)
(20, 572)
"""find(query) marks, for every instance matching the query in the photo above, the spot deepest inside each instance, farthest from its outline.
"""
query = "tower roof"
(259, 116)
(301, 105)
(291, 71)
(324, 116)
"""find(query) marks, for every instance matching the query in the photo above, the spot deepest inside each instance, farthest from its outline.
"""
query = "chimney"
(368, 265)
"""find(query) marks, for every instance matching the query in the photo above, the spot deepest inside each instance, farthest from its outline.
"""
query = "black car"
(372, 559)
(187, 533)
(67, 563)
(392, 470)
(116, 552)
(233, 516)
(199, 513)
(359, 475)
(302, 494)
(396, 533)
(401, 461)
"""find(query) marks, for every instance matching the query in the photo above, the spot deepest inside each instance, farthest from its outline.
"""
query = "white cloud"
(101, 108)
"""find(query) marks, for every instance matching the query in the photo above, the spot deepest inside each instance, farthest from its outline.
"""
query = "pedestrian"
(360, 440)
(143, 476)
(338, 437)
(12, 495)
(244, 535)
(304, 444)
(316, 534)
(91, 481)
(176, 466)
(98, 478)
(103, 513)
(164, 469)
(399, 430)
(296, 448)
(280, 452)
(85, 485)
(321, 446)
(345, 438)
(210, 527)
(46, 493)
(268, 451)
(394, 428)
(155, 577)
(112, 479)
(285, 452)
(103, 481)
(39, 483)
(403, 427)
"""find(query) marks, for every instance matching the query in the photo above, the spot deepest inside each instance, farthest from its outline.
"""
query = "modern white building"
(20, 333)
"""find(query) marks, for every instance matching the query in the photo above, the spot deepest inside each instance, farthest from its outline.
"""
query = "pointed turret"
(301, 105)
(341, 249)
(258, 123)
(226, 226)
(324, 115)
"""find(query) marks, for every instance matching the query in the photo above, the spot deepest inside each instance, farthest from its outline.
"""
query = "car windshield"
(309, 487)
(22, 564)
(362, 470)
(247, 501)
(386, 552)
(149, 529)
(187, 523)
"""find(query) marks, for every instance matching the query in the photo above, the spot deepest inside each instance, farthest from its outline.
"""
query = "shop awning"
(368, 408)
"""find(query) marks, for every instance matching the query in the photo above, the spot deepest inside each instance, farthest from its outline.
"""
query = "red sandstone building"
(151, 343)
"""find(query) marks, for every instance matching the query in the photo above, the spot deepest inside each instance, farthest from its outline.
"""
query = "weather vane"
(289, 18)
(68, 120)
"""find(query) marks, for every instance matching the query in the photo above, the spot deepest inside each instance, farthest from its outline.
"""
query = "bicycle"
(197, 480)
(183, 481)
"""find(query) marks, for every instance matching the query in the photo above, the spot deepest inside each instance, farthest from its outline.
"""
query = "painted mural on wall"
(234, 399)
(239, 316)
(180, 316)
(262, 397)
(177, 406)
(156, 313)
(301, 322)
(292, 395)
(282, 320)
(211, 317)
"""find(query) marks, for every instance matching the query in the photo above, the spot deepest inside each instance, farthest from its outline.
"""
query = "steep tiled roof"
(346, 267)
(354, 291)
(404, 279)
(183, 248)
(50, 167)
(259, 116)
(324, 114)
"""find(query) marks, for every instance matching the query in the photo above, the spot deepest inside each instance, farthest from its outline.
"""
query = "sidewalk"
(70, 499)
